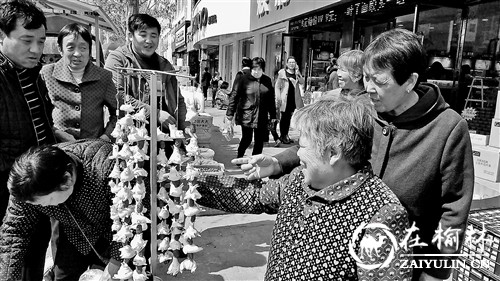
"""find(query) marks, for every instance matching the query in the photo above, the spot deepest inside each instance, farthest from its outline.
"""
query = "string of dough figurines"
(128, 184)
(176, 197)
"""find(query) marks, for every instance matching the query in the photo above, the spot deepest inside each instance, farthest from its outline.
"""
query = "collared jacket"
(253, 103)
(78, 108)
(17, 132)
(313, 229)
(425, 156)
(139, 88)
(89, 204)
(281, 89)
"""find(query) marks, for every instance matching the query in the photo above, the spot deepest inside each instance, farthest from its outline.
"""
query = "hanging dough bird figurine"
(124, 273)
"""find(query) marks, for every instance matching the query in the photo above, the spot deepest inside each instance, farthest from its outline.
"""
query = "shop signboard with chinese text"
(341, 12)
(214, 18)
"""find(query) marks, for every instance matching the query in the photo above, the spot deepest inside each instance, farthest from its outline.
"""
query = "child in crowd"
(222, 96)
(336, 220)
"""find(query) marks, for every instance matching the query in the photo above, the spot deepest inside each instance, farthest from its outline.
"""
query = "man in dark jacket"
(75, 192)
(25, 108)
(144, 34)
(251, 107)
(246, 65)
(205, 82)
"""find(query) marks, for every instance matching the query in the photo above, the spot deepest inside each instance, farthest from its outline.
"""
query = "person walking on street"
(205, 82)
(250, 106)
(214, 83)
(25, 108)
(246, 65)
(288, 96)
(79, 89)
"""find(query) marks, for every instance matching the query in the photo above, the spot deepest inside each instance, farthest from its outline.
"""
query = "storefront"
(460, 41)
(180, 47)
(215, 25)
(269, 25)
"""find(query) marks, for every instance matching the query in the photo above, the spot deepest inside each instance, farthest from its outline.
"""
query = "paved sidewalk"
(236, 246)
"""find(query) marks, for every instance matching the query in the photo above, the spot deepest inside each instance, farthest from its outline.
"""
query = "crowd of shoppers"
(368, 141)
(413, 121)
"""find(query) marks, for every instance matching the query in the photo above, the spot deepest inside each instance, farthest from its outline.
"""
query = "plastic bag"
(227, 129)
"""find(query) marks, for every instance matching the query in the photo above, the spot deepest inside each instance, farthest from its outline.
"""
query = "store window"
(481, 46)
(480, 66)
(439, 31)
(247, 48)
(227, 73)
(273, 54)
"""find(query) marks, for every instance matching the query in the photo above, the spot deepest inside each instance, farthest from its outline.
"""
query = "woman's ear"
(335, 156)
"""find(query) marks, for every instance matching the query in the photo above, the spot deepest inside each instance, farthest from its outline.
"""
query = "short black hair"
(38, 172)
(398, 50)
(30, 16)
(206, 68)
(141, 22)
(77, 30)
(224, 85)
(246, 62)
(260, 62)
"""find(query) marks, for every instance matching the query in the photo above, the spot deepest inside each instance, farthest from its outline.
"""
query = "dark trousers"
(205, 90)
(286, 116)
(246, 140)
(34, 260)
(69, 263)
(214, 93)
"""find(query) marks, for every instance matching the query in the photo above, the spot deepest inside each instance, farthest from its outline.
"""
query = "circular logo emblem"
(370, 245)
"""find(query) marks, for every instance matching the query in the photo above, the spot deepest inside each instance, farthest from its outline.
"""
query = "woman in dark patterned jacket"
(336, 220)
(67, 182)
(251, 105)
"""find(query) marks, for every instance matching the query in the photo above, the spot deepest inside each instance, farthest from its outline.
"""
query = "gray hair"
(352, 61)
(342, 124)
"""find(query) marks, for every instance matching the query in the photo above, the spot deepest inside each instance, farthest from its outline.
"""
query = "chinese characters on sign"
(338, 13)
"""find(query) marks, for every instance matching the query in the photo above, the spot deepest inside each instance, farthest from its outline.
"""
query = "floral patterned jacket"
(337, 233)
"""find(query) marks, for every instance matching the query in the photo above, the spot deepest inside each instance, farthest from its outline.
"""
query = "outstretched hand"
(258, 166)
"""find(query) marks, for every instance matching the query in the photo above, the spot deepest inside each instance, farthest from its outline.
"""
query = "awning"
(77, 11)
